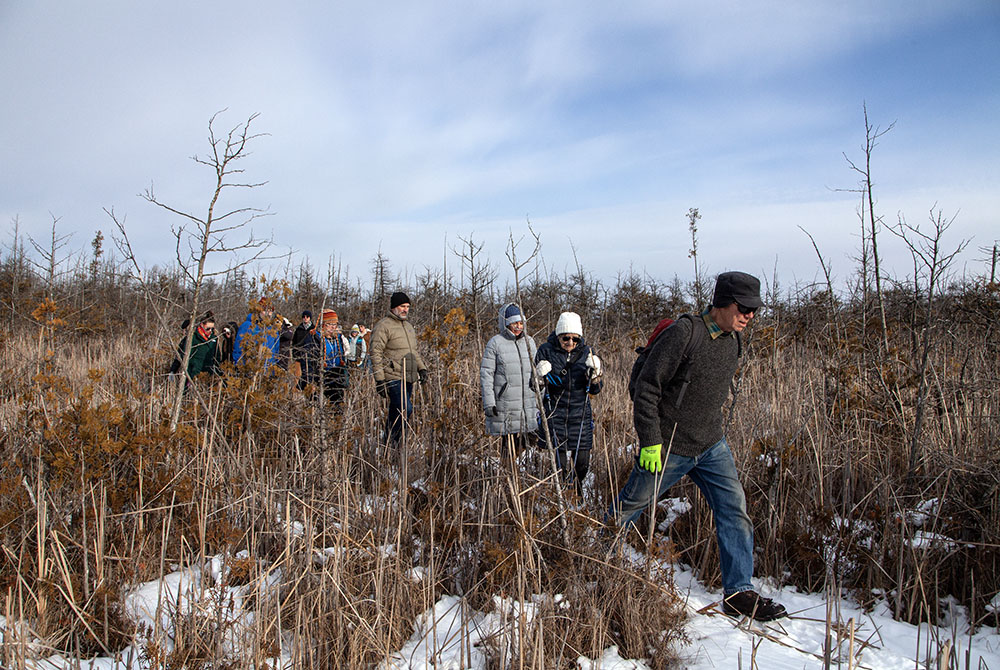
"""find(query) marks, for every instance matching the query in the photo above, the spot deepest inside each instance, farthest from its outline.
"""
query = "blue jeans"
(714, 472)
(394, 418)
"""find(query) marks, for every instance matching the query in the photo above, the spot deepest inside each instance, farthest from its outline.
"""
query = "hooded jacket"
(505, 382)
(566, 401)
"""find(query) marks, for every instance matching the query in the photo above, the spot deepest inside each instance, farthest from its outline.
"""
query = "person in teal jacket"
(202, 357)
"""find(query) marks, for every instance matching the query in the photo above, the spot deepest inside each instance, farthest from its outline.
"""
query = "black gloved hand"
(422, 374)
(382, 388)
(492, 411)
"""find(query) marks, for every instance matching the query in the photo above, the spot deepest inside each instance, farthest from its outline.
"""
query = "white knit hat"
(569, 322)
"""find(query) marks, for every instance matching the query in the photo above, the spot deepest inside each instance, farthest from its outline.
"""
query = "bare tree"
(930, 267)
(866, 188)
(991, 258)
(517, 265)
(382, 277)
(831, 303)
(17, 265)
(481, 276)
(200, 238)
(52, 258)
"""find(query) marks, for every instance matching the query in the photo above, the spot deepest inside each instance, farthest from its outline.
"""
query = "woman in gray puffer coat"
(505, 380)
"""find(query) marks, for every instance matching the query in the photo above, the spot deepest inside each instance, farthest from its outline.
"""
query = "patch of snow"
(926, 540)
(321, 556)
(925, 511)
(675, 507)
(610, 661)
(451, 635)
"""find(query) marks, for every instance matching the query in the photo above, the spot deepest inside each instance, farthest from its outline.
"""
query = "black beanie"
(398, 298)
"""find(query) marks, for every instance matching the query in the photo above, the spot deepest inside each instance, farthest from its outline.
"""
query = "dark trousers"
(574, 465)
(399, 393)
(335, 381)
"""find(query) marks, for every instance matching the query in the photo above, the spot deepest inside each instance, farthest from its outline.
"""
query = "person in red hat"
(324, 359)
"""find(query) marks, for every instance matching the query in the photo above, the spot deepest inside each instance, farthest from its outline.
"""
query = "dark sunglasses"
(569, 338)
(744, 309)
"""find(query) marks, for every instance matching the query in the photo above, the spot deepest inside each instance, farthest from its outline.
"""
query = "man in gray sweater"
(688, 438)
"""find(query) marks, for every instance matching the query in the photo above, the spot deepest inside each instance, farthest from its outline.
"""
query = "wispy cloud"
(401, 122)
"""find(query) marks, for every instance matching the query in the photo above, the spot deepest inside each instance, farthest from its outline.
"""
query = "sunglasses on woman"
(569, 338)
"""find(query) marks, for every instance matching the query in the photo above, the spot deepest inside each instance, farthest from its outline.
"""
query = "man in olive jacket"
(397, 364)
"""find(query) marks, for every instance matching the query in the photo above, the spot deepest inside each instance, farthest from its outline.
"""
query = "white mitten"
(594, 363)
(543, 368)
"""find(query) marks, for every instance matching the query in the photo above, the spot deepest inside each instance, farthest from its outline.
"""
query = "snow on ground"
(798, 642)
(441, 641)
(451, 636)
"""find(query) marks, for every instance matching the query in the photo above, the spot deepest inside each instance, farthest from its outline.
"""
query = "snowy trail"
(447, 636)
(718, 641)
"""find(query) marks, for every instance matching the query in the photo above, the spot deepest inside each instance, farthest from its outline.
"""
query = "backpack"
(683, 372)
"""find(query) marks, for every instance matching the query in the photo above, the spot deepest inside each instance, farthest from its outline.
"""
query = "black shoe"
(753, 605)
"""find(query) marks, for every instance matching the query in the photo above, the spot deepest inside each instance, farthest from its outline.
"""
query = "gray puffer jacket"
(505, 381)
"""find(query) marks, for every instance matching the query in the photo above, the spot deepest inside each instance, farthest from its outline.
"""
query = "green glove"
(649, 458)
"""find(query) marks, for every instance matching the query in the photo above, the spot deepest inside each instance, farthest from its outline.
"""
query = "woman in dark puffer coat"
(572, 374)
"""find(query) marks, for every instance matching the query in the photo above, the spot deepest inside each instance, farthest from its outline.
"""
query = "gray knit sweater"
(699, 419)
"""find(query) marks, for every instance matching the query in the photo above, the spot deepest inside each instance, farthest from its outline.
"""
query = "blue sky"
(402, 125)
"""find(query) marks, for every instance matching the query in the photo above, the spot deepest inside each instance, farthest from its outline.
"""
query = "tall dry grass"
(299, 506)
(335, 544)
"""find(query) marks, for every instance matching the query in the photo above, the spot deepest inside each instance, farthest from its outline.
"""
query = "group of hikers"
(319, 356)
(678, 385)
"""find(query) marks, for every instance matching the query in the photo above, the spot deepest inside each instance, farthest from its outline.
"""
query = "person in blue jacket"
(261, 330)
(572, 373)
(324, 359)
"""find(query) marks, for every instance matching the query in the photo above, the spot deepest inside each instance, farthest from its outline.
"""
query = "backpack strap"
(694, 342)
(695, 338)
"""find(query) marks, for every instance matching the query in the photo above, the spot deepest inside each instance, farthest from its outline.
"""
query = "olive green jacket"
(394, 350)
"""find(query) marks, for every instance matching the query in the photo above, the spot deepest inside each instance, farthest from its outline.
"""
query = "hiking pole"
(579, 438)
(403, 427)
(552, 450)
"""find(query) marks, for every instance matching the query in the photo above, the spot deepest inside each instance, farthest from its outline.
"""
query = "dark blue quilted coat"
(566, 401)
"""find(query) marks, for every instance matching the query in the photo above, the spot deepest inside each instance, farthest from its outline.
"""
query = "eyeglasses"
(744, 309)
(569, 338)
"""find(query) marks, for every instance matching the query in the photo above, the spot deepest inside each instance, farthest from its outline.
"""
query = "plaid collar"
(713, 328)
